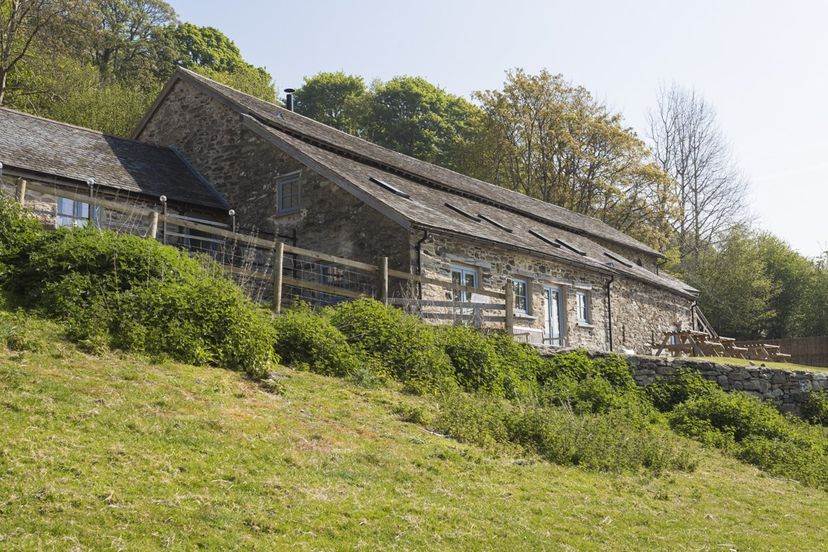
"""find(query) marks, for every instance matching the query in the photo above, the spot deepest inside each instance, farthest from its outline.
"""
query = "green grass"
(114, 452)
(767, 363)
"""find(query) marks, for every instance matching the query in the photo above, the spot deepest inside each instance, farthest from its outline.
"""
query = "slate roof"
(310, 130)
(33, 144)
(504, 217)
(435, 209)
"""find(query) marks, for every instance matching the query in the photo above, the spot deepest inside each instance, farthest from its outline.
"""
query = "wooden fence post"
(153, 229)
(278, 260)
(21, 192)
(510, 307)
(383, 280)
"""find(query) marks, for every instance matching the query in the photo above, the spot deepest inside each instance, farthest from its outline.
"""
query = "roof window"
(618, 259)
(543, 238)
(571, 247)
(492, 221)
(393, 189)
(466, 214)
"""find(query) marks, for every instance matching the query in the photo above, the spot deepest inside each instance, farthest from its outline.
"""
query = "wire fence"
(270, 271)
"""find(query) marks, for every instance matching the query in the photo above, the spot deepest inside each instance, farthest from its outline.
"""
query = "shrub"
(604, 442)
(668, 392)
(521, 364)
(19, 230)
(208, 321)
(734, 414)
(114, 262)
(477, 364)
(578, 366)
(815, 407)
(305, 338)
(408, 349)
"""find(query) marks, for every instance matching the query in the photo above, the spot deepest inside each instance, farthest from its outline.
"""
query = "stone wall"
(244, 167)
(787, 389)
(642, 313)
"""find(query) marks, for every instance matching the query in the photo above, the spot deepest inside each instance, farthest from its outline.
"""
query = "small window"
(287, 189)
(75, 213)
(582, 301)
(521, 288)
(462, 276)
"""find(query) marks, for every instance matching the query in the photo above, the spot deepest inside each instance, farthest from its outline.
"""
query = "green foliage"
(308, 339)
(521, 364)
(18, 232)
(815, 407)
(668, 392)
(135, 294)
(408, 348)
(332, 99)
(756, 432)
(18, 333)
(605, 442)
(477, 364)
(206, 47)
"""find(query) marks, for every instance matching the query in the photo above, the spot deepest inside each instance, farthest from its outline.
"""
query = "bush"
(579, 366)
(408, 348)
(756, 432)
(305, 338)
(668, 392)
(522, 363)
(605, 442)
(477, 364)
(19, 230)
(114, 262)
(815, 407)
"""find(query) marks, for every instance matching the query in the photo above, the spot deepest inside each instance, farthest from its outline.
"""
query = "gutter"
(609, 309)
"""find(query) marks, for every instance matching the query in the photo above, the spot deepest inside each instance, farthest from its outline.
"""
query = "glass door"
(553, 317)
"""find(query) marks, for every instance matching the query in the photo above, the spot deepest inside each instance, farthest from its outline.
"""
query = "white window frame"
(517, 283)
(583, 307)
(463, 271)
(282, 182)
(73, 216)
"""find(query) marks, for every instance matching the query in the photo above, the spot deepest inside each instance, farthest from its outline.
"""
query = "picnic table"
(695, 343)
(766, 351)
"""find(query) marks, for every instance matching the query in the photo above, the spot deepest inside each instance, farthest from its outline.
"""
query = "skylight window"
(618, 259)
(389, 187)
(570, 247)
(492, 221)
(543, 238)
(466, 214)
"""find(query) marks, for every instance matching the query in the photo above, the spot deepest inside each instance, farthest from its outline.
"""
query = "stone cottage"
(577, 281)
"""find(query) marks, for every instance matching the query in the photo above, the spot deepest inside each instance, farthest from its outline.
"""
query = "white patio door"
(553, 319)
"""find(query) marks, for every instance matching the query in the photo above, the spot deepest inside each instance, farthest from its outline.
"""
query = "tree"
(414, 117)
(792, 275)
(131, 41)
(551, 140)
(736, 292)
(21, 23)
(331, 98)
(689, 146)
(206, 47)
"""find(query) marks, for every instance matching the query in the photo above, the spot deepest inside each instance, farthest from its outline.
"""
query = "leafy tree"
(332, 99)
(792, 275)
(414, 117)
(206, 47)
(736, 292)
(22, 22)
(552, 140)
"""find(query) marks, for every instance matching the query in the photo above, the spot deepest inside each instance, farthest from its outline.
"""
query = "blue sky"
(761, 64)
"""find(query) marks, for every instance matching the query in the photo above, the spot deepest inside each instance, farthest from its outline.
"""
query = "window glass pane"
(65, 206)
(81, 210)
(288, 195)
(521, 298)
(64, 220)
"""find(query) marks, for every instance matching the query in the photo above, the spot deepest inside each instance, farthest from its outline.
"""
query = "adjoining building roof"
(331, 138)
(50, 148)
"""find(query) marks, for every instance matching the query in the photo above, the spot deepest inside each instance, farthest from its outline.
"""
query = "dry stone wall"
(787, 389)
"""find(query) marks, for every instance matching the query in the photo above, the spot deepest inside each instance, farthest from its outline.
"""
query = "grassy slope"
(115, 452)
(769, 364)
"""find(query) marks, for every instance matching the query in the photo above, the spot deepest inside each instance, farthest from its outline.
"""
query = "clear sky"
(762, 64)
